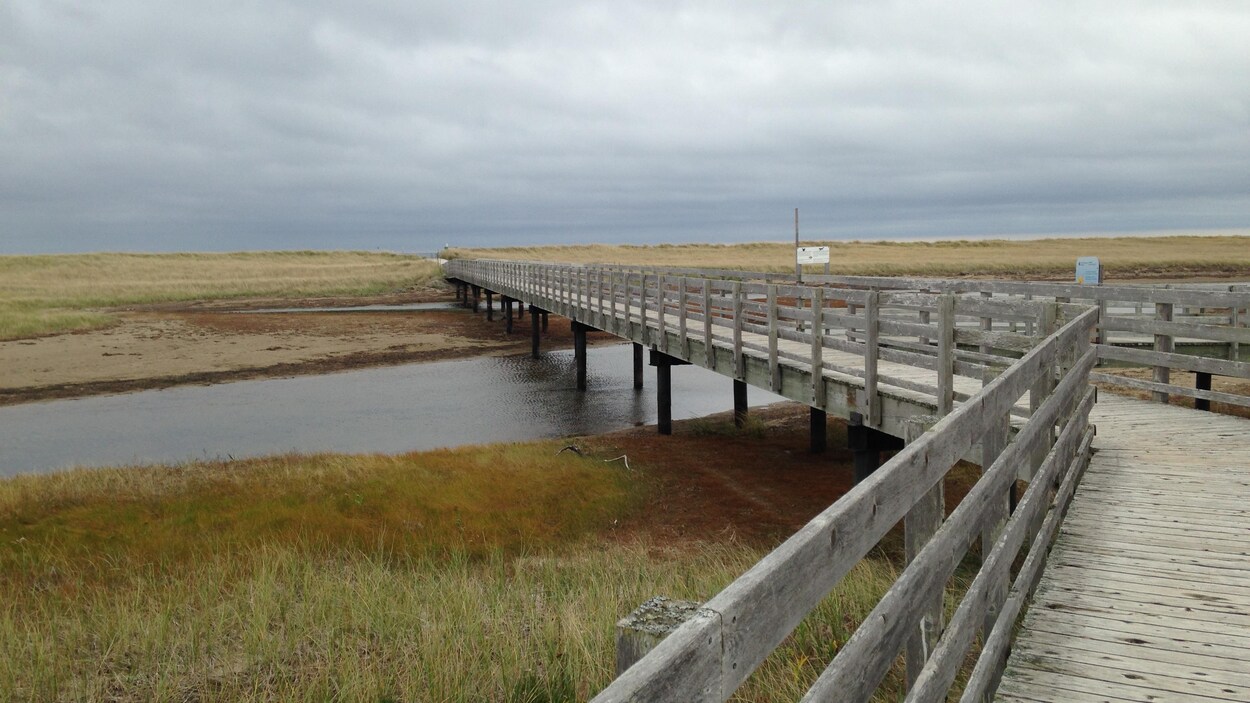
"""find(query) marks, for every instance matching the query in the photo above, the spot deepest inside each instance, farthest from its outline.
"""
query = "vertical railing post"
(629, 299)
(708, 349)
(993, 442)
(739, 361)
(683, 301)
(919, 526)
(946, 353)
(659, 312)
(987, 325)
(1163, 343)
(645, 334)
(818, 347)
(1234, 321)
(774, 367)
(872, 316)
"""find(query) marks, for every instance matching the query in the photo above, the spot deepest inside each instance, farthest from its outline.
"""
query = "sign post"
(1088, 271)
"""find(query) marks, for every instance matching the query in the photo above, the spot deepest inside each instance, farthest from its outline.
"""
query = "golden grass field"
(479, 574)
(1122, 257)
(65, 292)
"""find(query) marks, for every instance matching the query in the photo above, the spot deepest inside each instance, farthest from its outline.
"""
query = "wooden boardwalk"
(1146, 594)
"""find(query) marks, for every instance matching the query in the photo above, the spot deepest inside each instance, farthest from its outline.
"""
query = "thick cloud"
(145, 125)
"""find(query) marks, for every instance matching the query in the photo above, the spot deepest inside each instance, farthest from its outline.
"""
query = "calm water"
(392, 409)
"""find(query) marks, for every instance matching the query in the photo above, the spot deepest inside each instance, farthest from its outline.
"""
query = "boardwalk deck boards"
(1147, 594)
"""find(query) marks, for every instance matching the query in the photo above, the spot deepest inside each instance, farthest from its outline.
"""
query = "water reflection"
(392, 409)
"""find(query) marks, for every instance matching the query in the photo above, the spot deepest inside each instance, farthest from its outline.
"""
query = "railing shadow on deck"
(714, 652)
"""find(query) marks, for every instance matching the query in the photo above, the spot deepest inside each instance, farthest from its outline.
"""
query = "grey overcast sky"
(282, 124)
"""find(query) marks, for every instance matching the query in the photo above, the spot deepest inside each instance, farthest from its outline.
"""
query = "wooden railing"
(807, 343)
(1204, 330)
(720, 324)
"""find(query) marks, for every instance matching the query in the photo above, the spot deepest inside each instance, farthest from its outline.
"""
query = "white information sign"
(813, 255)
(1089, 271)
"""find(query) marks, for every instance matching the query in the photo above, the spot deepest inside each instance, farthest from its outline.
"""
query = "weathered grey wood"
(683, 303)
(1166, 389)
(946, 353)
(647, 626)
(774, 367)
(992, 444)
(872, 312)
(1163, 325)
(1147, 357)
(660, 313)
(919, 526)
(862, 662)
(987, 671)
(1163, 343)
(739, 367)
(818, 333)
(707, 326)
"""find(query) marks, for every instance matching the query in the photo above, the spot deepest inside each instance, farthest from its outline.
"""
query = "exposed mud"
(205, 343)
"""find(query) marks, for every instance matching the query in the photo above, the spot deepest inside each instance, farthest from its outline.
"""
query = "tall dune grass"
(476, 574)
(1038, 258)
(57, 293)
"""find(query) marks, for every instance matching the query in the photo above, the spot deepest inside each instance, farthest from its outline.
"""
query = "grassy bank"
(491, 573)
(1122, 257)
(59, 293)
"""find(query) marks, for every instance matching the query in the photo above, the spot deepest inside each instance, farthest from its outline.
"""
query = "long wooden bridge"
(1122, 571)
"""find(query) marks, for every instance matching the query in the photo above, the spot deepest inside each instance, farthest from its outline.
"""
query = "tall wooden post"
(579, 353)
(507, 315)
(490, 306)
(545, 315)
(1163, 343)
(477, 297)
(919, 526)
(740, 403)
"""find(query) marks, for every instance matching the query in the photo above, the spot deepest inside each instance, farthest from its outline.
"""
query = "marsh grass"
(485, 573)
(58, 293)
(1038, 258)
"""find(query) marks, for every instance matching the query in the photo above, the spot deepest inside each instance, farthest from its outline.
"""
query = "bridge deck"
(1146, 595)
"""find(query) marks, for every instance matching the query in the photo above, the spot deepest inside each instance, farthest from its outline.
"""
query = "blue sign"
(1088, 271)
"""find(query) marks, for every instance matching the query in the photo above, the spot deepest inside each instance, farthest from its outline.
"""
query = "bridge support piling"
(534, 332)
(1202, 382)
(579, 353)
(477, 297)
(545, 316)
(459, 290)
(637, 366)
(490, 306)
(866, 445)
(507, 314)
(740, 403)
(664, 364)
(819, 430)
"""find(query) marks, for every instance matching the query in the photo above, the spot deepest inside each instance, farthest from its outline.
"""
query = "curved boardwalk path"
(1146, 594)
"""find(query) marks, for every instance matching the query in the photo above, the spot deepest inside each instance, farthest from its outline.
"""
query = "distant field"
(1122, 257)
(485, 573)
(60, 293)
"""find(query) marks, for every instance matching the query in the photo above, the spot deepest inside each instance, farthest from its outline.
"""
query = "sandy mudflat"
(161, 348)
